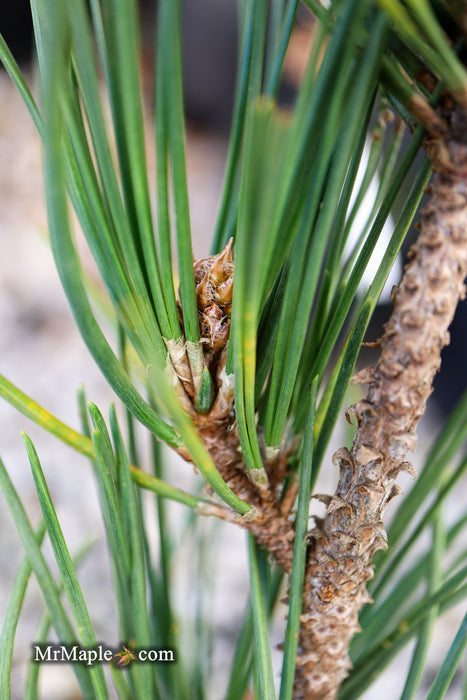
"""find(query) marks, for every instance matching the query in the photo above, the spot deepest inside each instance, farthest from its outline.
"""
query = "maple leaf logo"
(126, 657)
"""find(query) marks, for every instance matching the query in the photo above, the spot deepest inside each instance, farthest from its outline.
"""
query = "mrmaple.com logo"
(73, 653)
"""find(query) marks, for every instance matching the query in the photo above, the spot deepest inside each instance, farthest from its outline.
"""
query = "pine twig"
(343, 544)
(268, 520)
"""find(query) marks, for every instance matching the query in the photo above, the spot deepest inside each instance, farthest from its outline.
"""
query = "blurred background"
(42, 352)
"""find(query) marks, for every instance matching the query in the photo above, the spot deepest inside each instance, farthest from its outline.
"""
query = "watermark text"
(88, 656)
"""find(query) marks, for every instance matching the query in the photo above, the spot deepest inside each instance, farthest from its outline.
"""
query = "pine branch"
(343, 544)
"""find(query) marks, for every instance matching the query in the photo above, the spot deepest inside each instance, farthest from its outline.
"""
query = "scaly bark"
(343, 544)
(270, 523)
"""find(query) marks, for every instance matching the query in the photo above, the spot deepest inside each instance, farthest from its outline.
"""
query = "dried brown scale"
(343, 544)
(214, 278)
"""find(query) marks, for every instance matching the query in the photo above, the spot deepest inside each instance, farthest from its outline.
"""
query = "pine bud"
(214, 285)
